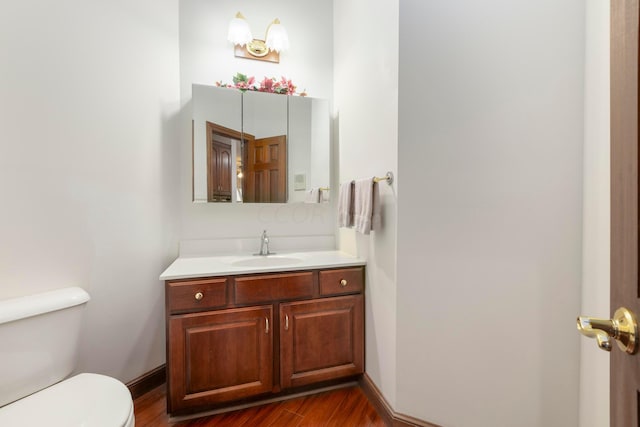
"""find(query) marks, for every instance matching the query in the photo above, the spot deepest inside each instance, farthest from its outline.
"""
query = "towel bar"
(388, 177)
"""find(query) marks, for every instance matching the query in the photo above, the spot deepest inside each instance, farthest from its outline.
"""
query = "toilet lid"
(87, 400)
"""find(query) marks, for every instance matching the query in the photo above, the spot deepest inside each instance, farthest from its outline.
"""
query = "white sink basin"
(266, 261)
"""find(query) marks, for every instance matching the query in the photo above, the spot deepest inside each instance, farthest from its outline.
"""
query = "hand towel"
(366, 216)
(345, 205)
(312, 196)
(376, 208)
(324, 195)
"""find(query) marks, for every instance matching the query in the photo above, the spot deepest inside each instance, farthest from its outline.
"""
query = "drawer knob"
(343, 282)
(199, 296)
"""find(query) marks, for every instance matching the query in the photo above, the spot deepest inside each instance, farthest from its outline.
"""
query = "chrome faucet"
(264, 244)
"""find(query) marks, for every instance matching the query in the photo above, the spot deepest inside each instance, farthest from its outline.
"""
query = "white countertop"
(205, 266)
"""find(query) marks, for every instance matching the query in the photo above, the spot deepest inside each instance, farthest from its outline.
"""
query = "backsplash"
(205, 247)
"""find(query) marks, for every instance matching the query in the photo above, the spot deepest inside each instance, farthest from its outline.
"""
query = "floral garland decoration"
(269, 85)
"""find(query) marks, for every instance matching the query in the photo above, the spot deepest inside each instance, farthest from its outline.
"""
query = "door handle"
(623, 328)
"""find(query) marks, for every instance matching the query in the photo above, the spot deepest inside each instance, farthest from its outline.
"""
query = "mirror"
(217, 115)
(256, 147)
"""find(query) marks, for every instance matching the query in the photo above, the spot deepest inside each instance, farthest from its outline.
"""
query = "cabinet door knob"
(343, 282)
(199, 296)
(266, 330)
(286, 322)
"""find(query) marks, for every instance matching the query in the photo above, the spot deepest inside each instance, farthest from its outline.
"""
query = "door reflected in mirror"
(264, 128)
(224, 164)
(256, 147)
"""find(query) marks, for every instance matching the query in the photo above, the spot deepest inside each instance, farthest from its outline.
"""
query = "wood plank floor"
(346, 407)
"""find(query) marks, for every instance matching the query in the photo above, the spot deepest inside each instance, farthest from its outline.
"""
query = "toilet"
(39, 336)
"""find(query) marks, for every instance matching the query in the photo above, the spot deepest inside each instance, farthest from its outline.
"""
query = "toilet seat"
(88, 400)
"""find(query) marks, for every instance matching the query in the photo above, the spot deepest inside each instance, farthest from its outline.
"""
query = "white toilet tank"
(39, 337)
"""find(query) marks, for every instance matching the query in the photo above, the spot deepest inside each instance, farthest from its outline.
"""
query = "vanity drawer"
(342, 281)
(197, 294)
(271, 287)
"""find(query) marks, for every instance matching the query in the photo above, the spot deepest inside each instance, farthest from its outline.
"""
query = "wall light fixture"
(275, 40)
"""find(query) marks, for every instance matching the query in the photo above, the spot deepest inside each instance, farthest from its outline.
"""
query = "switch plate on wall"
(299, 182)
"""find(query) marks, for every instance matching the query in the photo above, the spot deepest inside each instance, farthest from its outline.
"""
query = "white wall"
(88, 96)
(594, 363)
(366, 109)
(320, 175)
(490, 211)
(207, 57)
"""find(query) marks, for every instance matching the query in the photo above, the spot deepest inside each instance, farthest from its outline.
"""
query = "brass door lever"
(623, 328)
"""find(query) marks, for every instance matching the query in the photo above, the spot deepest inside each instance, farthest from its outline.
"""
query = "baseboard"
(377, 400)
(386, 412)
(147, 382)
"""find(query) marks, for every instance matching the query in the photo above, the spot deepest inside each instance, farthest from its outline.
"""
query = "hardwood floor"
(346, 407)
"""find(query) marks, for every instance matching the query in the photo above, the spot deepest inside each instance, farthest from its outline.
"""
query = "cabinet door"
(321, 339)
(218, 356)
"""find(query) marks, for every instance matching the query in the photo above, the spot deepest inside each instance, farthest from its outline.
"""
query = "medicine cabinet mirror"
(255, 147)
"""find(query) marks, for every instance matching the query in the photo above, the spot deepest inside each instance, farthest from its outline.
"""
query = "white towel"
(324, 195)
(312, 196)
(366, 216)
(376, 208)
(345, 205)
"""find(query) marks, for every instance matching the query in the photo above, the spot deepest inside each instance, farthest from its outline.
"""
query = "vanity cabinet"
(235, 338)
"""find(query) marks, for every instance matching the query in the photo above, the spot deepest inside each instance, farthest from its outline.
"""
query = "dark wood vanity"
(234, 339)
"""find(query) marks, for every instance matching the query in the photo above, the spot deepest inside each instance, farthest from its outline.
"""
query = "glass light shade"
(239, 31)
(277, 37)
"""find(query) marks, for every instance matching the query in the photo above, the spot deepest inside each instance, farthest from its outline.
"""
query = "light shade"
(277, 37)
(239, 31)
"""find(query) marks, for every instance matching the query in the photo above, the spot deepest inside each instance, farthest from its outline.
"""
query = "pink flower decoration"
(266, 85)
(270, 85)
